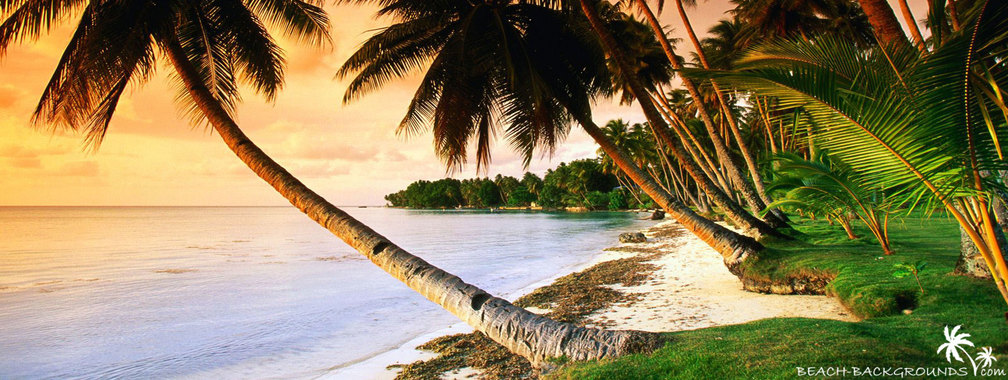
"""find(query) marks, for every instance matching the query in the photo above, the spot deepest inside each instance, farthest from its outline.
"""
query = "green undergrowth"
(902, 327)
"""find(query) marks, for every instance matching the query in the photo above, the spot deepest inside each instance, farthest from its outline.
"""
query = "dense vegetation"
(581, 183)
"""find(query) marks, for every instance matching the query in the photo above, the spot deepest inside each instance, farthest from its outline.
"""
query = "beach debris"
(658, 214)
(632, 237)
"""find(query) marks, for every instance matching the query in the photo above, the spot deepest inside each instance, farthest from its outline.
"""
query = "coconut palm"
(212, 44)
(752, 197)
(829, 186)
(732, 210)
(883, 20)
(525, 70)
(920, 126)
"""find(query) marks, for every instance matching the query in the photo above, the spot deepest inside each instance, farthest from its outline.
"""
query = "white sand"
(693, 289)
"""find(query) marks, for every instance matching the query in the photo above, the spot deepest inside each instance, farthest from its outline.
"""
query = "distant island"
(581, 184)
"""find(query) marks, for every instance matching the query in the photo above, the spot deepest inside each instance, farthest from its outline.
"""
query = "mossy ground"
(863, 281)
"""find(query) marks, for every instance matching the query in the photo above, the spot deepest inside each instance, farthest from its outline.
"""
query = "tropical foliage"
(581, 183)
(919, 125)
(829, 188)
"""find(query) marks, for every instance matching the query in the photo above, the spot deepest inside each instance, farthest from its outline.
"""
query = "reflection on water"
(176, 292)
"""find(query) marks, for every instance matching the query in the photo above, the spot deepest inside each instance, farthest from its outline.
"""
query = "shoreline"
(379, 367)
(680, 284)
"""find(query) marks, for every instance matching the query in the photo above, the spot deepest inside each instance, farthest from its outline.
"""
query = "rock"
(632, 237)
(659, 214)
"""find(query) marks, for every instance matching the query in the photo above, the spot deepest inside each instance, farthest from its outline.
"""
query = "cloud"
(25, 162)
(79, 169)
(9, 96)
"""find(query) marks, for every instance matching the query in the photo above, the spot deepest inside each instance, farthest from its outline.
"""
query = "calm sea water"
(248, 292)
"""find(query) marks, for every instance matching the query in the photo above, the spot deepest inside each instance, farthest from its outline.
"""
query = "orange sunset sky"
(152, 156)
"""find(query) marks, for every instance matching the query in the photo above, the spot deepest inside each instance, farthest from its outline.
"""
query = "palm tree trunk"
(733, 123)
(912, 25)
(733, 247)
(530, 335)
(692, 145)
(883, 20)
(954, 15)
(753, 199)
(731, 209)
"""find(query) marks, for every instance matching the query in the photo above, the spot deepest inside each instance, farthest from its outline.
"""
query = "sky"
(349, 154)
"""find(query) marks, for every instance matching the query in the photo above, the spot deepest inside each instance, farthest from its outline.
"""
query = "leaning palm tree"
(739, 180)
(214, 44)
(922, 126)
(515, 65)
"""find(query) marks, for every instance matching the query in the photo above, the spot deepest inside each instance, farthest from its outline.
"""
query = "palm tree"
(882, 18)
(723, 102)
(560, 67)
(749, 193)
(213, 43)
(827, 185)
(918, 125)
(620, 134)
(731, 209)
(527, 71)
(908, 17)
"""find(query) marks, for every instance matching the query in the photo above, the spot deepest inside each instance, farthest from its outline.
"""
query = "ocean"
(250, 292)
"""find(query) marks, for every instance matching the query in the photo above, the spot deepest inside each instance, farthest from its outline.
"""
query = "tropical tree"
(883, 20)
(739, 181)
(661, 128)
(211, 45)
(917, 125)
(832, 188)
(539, 66)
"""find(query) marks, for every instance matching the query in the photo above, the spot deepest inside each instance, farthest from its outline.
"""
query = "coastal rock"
(632, 237)
(659, 214)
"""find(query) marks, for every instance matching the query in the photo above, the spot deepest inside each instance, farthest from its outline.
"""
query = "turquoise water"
(249, 292)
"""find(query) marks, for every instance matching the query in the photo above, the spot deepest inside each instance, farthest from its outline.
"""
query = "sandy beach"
(690, 288)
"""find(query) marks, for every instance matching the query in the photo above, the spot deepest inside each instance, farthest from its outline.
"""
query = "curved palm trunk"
(731, 209)
(912, 25)
(882, 18)
(742, 184)
(776, 218)
(530, 335)
(692, 145)
(733, 247)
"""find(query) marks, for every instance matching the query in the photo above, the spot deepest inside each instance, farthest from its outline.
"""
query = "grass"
(862, 280)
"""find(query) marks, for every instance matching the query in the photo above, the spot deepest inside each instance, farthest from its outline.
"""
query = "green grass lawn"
(887, 337)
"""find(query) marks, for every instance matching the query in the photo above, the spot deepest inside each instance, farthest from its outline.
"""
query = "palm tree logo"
(955, 344)
(986, 357)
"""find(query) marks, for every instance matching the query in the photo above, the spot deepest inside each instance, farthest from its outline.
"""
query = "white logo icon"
(956, 344)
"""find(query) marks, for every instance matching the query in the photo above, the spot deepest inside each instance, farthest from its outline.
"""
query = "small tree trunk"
(912, 25)
(970, 262)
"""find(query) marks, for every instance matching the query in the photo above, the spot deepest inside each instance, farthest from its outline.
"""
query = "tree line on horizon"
(581, 183)
(789, 109)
